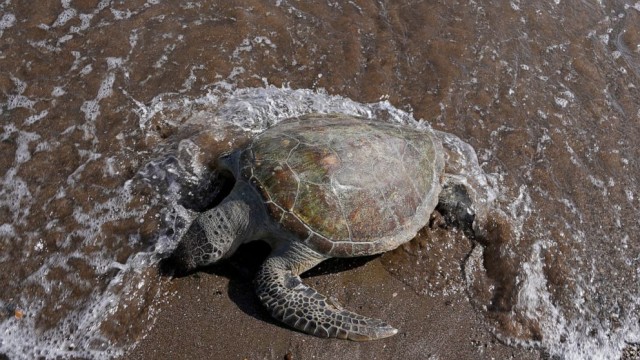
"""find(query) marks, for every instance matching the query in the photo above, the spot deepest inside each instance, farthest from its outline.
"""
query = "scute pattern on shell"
(346, 185)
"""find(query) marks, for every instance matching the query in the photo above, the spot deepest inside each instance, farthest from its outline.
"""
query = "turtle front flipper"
(289, 300)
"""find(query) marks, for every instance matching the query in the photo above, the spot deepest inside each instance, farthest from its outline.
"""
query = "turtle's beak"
(193, 250)
(180, 261)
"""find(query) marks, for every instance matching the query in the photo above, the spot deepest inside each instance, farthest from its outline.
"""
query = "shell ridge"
(333, 181)
(298, 142)
(404, 168)
(324, 185)
(407, 143)
(295, 175)
(298, 181)
(286, 163)
(341, 206)
(386, 203)
(260, 185)
(359, 243)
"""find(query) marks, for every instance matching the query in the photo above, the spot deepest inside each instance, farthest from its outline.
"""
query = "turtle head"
(217, 233)
(207, 240)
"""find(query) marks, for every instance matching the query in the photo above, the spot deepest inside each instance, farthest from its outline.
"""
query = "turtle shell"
(344, 185)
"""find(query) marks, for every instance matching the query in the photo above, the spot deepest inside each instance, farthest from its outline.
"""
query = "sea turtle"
(317, 187)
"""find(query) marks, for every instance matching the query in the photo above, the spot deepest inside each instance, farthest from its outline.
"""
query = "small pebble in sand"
(19, 314)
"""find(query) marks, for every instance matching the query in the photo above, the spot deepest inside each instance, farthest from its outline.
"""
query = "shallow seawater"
(113, 113)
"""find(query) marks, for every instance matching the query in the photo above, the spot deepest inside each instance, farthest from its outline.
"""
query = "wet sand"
(214, 314)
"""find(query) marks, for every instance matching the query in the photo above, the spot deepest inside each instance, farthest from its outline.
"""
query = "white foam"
(599, 184)
(248, 45)
(561, 101)
(256, 109)
(63, 39)
(165, 56)
(112, 64)
(78, 334)
(8, 20)
(7, 230)
(91, 108)
(86, 70)
(66, 15)
(35, 118)
(571, 338)
(22, 152)
(133, 39)
(519, 210)
(534, 300)
(85, 22)
(20, 101)
(75, 175)
(121, 15)
(15, 196)
(58, 91)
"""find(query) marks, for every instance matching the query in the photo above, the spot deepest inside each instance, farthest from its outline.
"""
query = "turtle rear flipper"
(289, 300)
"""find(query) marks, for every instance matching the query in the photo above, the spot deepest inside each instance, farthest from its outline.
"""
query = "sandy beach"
(214, 314)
